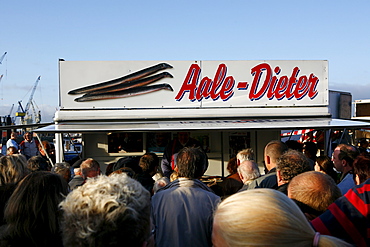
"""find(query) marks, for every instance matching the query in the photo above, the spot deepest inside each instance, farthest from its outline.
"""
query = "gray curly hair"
(106, 211)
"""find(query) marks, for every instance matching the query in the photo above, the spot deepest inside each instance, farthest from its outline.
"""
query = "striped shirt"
(348, 217)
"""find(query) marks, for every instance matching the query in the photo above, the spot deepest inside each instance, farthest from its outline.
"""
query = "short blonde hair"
(265, 217)
(245, 154)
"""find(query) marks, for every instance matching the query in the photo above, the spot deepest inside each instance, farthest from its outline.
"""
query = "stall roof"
(227, 124)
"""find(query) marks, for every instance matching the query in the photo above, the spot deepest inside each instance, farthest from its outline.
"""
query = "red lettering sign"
(265, 82)
(220, 87)
(283, 86)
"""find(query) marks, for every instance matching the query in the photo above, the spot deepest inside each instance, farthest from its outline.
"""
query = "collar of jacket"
(187, 182)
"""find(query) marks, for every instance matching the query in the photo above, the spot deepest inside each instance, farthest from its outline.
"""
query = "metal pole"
(43, 149)
(59, 151)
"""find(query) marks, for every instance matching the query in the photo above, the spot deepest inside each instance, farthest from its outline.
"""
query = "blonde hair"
(173, 176)
(13, 168)
(265, 217)
(106, 210)
(245, 154)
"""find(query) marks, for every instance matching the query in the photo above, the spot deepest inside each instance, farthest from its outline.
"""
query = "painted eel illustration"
(125, 93)
(132, 84)
(133, 76)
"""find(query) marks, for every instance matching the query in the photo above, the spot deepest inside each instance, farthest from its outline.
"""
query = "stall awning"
(229, 124)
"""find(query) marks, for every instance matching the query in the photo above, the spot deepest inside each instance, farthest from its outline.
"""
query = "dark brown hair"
(191, 163)
(361, 167)
(32, 210)
(327, 166)
(148, 162)
(232, 166)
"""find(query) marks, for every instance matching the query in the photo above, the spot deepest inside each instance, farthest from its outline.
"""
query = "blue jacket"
(182, 213)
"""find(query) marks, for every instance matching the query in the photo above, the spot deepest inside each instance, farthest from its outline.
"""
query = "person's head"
(11, 150)
(77, 171)
(343, 157)
(295, 145)
(313, 192)
(191, 163)
(13, 135)
(245, 154)
(273, 220)
(290, 164)
(90, 168)
(248, 171)
(63, 169)
(364, 143)
(232, 166)
(183, 137)
(149, 163)
(28, 136)
(13, 168)
(37, 163)
(324, 164)
(32, 210)
(361, 169)
(107, 211)
(310, 150)
(273, 150)
(44, 148)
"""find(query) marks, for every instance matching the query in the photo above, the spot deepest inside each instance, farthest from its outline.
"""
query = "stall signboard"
(192, 84)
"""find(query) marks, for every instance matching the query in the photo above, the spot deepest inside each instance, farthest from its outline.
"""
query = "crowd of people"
(301, 200)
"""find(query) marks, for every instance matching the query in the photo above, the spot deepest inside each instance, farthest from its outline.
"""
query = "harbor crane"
(24, 113)
(2, 58)
(11, 110)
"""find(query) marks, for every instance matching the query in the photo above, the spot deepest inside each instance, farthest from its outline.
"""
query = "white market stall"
(226, 105)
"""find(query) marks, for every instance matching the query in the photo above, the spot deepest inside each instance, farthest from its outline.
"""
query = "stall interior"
(220, 146)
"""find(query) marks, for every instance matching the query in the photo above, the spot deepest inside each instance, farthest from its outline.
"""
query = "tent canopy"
(192, 125)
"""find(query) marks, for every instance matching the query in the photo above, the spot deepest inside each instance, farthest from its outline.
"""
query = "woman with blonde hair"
(13, 168)
(265, 217)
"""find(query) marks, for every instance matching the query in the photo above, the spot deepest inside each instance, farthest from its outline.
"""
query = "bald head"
(90, 168)
(314, 189)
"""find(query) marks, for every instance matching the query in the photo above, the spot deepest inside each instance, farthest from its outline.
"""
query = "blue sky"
(35, 34)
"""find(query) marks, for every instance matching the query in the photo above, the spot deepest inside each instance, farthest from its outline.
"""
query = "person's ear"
(268, 160)
(241, 176)
(357, 180)
(176, 169)
(278, 176)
